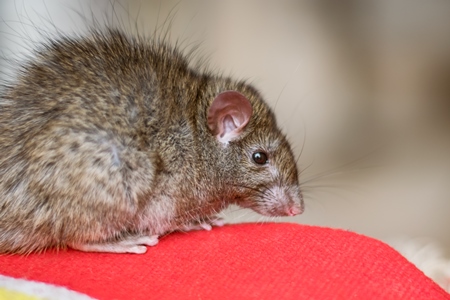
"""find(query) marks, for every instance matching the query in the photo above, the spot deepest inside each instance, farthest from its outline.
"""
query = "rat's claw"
(206, 226)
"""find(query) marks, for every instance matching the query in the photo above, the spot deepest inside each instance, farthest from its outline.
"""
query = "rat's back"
(75, 129)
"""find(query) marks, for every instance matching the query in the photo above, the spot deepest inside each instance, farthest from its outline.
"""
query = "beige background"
(354, 78)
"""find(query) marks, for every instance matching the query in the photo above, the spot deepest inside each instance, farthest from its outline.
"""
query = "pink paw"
(132, 244)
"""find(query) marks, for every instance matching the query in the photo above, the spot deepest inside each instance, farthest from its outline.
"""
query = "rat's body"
(108, 142)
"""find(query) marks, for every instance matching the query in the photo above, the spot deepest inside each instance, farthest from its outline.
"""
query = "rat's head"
(260, 167)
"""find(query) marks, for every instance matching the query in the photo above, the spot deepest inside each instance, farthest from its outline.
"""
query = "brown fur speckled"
(106, 137)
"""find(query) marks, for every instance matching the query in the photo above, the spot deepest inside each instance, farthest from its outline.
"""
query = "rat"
(109, 141)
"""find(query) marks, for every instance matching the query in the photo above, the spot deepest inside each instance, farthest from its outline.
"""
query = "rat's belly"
(159, 216)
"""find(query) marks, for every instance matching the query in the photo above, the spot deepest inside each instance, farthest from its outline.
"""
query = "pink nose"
(293, 211)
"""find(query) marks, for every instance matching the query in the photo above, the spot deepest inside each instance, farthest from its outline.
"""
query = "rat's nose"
(294, 210)
(296, 205)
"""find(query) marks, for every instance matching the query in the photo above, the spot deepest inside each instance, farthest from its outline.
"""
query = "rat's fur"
(106, 136)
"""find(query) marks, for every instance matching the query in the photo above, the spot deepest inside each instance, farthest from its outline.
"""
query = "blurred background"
(359, 84)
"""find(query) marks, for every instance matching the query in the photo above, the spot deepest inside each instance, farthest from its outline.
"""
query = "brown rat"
(109, 141)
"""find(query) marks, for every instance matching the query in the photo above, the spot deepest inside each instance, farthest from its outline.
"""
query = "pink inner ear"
(229, 114)
(228, 124)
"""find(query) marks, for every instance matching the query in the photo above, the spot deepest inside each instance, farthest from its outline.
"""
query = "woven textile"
(247, 261)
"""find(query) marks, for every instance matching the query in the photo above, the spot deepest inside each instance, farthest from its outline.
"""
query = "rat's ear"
(228, 115)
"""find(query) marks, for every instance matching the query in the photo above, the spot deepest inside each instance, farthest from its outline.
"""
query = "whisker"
(285, 85)
(335, 172)
(303, 144)
(340, 185)
(306, 168)
(245, 213)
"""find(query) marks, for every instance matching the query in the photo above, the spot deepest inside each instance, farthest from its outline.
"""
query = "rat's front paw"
(130, 244)
(203, 225)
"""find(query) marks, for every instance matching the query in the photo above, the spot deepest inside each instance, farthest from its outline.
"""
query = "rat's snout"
(283, 202)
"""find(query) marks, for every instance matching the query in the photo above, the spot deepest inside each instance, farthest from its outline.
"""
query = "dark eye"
(260, 158)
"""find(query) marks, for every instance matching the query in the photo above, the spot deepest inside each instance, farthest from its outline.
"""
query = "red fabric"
(248, 261)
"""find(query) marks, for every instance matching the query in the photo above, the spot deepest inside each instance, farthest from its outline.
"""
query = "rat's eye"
(260, 158)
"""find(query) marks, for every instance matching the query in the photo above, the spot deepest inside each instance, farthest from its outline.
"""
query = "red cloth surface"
(248, 261)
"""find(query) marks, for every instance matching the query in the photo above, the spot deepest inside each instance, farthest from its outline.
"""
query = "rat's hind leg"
(130, 244)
